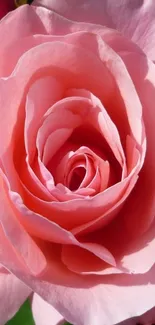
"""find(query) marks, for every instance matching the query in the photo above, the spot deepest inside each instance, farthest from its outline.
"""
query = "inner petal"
(37, 103)
(100, 120)
(77, 177)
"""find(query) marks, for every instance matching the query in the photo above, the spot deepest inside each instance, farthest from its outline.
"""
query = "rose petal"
(23, 244)
(13, 293)
(145, 85)
(44, 314)
(98, 250)
(39, 226)
(24, 14)
(54, 142)
(81, 261)
(99, 118)
(90, 293)
(103, 165)
(37, 104)
(23, 39)
(68, 214)
(148, 318)
(135, 19)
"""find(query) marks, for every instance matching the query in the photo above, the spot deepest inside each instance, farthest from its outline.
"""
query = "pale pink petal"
(15, 19)
(128, 118)
(39, 226)
(141, 258)
(26, 249)
(113, 288)
(33, 257)
(52, 232)
(104, 167)
(147, 319)
(99, 118)
(40, 58)
(44, 175)
(74, 213)
(133, 252)
(30, 179)
(74, 111)
(105, 218)
(40, 22)
(67, 165)
(42, 94)
(54, 142)
(131, 153)
(13, 293)
(89, 172)
(44, 313)
(123, 296)
(135, 19)
(87, 81)
(60, 173)
(120, 108)
(144, 83)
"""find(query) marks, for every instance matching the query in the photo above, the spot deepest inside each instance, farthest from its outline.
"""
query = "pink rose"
(77, 177)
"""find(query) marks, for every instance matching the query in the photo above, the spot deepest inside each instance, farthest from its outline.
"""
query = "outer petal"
(13, 293)
(45, 314)
(147, 319)
(38, 23)
(135, 18)
(81, 300)
(26, 249)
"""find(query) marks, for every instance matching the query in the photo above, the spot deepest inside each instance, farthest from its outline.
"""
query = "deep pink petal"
(6, 6)
(98, 250)
(82, 261)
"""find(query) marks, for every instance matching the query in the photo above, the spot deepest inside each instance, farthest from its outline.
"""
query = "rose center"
(75, 178)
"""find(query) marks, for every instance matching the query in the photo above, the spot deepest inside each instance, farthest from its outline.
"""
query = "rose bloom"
(77, 162)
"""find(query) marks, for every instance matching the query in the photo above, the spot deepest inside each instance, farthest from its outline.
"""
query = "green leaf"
(23, 317)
